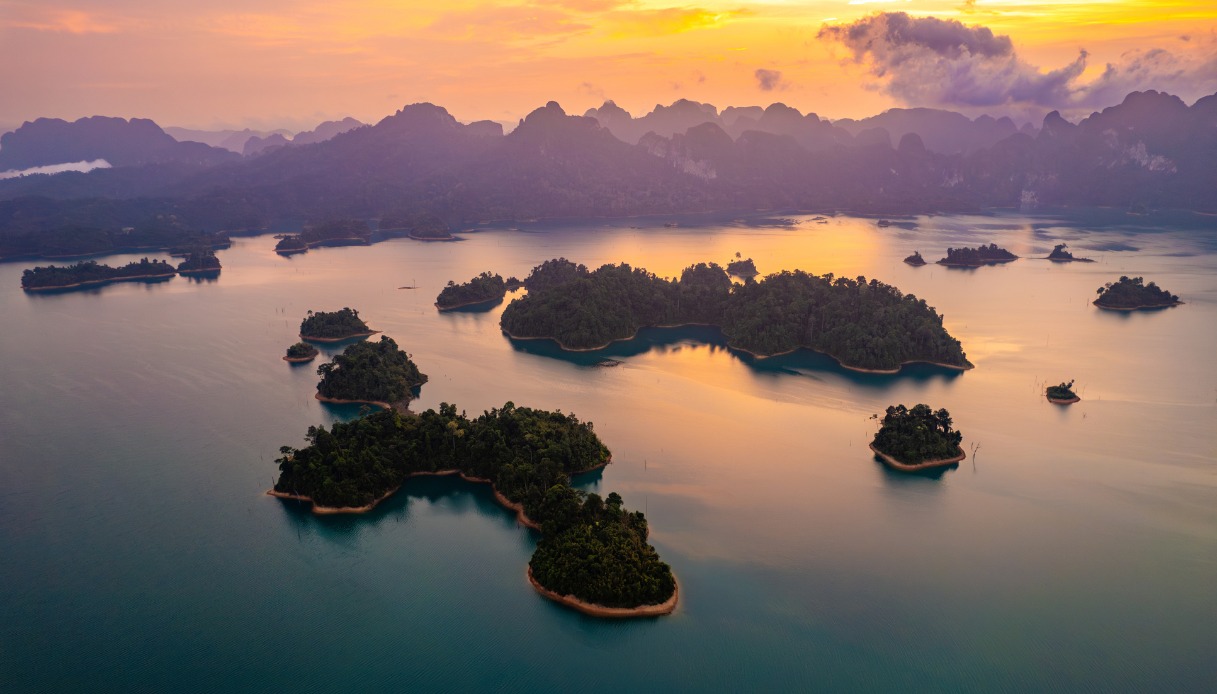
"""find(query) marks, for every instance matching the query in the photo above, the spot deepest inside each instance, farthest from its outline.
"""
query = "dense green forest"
(916, 435)
(331, 325)
(484, 288)
(302, 351)
(200, 260)
(90, 272)
(1064, 391)
(864, 324)
(371, 372)
(974, 257)
(592, 548)
(1130, 293)
(291, 243)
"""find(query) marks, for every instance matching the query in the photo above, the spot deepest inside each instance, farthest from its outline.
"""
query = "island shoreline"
(730, 346)
(521, 517)
(926, 465)
(658, 610)
(339, 339)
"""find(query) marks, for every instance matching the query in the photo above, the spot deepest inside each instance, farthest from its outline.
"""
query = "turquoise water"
(1075, 549)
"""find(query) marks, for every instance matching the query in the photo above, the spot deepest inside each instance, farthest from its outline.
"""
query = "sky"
(291, 64)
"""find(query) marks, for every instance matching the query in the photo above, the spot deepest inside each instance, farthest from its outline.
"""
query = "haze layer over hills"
(1152, 150)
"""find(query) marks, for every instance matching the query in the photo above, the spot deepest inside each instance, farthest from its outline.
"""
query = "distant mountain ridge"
(1150, 151)
(120, 142)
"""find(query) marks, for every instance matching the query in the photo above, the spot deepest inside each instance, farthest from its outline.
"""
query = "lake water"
(1075, 549)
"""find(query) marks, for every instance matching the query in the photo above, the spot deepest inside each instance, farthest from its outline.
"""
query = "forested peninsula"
(917, 439)
(376, 373)
(334, 326)
(593, 554)
(89, 273)
(483, 289)
(1131, 294)
(865, 325)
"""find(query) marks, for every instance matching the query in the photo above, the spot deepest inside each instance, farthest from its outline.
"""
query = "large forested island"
(917, 439)
(975, 257)
(200, 261)
(92, 274)
(865, 325)
(1131, 294)
(377, 373)
(483, 289)
(332, 326)
(593, 555)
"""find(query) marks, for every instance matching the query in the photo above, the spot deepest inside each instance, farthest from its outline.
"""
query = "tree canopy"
(370, 371)
(917, 435)
(592, 548)
(1130, 293)
(330, 325)
(863, 323)
(484, 288)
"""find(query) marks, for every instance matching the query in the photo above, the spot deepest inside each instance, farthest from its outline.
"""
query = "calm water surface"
(1075, 549)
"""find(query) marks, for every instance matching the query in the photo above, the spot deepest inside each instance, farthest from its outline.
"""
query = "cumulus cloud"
(769, 80)
(926, 61)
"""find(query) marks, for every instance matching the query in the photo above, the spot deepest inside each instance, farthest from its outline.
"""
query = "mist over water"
(79, 166)
(1075, 548)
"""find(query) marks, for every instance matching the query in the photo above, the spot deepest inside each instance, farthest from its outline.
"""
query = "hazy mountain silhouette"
(941, 131)
(1150, 151)
(231, 140)
(326, 131)
(119, 141)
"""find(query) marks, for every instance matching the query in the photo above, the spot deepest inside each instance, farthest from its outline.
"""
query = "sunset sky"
(283, 63)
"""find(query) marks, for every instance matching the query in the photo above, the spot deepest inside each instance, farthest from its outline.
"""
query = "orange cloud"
(64, 21)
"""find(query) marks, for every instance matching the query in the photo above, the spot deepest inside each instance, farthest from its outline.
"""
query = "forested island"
(593, 554)
(865, 325)
(89, 273)
(300, 353)
(915, 259)
(742, 268)
(917, 439)
(1060, 255)
(333, 326)
(200, 261)
(291, 243)
(975, 257)
(338, 232)
(483, 289)
(418, 226)
(377, 373)
(1131, 294)
(1062, 394)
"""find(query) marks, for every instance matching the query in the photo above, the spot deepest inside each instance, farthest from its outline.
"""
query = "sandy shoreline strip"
(99, 283)
(1136, 308)
(663, 608)
(1064, 401)
(755, 355)
(340, 401)
(299, 360)
(929, 464)
(469, 303)
(338, 339)
(521, 516)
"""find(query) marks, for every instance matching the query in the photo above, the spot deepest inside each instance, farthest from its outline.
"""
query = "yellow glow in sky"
(279, 63)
